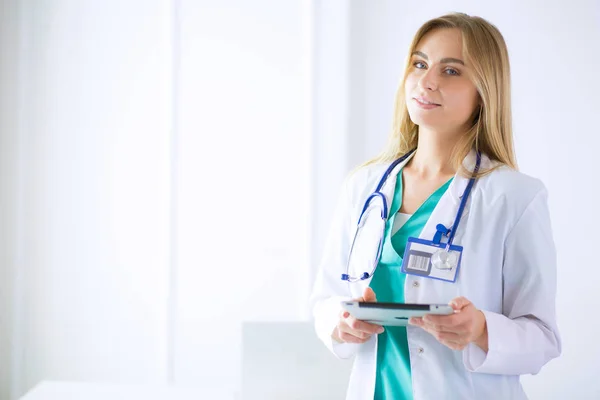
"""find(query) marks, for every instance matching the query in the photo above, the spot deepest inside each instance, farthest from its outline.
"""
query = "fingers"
(433, 327)
(362, 326)
(446, 337)
(347, 337)
(455, 340)
(455, 331)
(350, 335)
(352, 330)
(453, 323)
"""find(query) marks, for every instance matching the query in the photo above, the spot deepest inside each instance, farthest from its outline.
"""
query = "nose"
(428, 80)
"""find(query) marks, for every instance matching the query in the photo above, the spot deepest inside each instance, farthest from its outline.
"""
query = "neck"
(432, 158)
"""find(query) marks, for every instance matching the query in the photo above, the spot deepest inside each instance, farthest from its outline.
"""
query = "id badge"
(418, 260)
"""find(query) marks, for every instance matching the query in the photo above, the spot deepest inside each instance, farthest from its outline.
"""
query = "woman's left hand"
(457, 330)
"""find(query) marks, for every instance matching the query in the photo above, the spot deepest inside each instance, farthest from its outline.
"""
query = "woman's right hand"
(352, 330)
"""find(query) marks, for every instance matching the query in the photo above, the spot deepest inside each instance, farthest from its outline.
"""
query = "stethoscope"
(442, 259)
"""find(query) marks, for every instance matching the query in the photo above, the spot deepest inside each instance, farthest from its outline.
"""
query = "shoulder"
(364, 179)
(512, 188)
(367, 174)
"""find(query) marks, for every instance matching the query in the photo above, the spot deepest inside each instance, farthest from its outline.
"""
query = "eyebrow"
(446, 60)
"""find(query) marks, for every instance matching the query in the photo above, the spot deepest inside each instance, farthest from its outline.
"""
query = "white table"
(50, 390)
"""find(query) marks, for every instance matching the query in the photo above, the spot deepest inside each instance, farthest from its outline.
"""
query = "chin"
(418, 118)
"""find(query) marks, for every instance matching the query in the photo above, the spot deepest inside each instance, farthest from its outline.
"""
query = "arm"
(524, 337)
(329, 290)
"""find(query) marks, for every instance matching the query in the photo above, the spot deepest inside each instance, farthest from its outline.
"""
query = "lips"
(425, 101)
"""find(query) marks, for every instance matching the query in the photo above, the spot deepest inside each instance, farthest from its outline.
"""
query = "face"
(437, 74)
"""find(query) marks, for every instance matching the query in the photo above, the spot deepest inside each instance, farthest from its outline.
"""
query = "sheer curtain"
(160, 193)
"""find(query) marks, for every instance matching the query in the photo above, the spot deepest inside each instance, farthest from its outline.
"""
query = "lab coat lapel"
(388, 192)
(390, 184)
(447, 207)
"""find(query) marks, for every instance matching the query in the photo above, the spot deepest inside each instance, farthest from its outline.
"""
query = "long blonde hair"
(485, 52)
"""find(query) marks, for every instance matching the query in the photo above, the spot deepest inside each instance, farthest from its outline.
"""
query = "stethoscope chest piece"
(444, 259)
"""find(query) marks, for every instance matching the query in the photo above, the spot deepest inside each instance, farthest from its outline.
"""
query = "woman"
(453, 107)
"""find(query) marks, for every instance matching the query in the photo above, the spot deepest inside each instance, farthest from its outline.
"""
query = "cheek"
(411, 82)
(410, 90)
(409, 87)
(463, 103)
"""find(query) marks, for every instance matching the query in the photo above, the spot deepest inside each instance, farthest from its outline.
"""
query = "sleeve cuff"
(344, 350)
(326, 320)
(474, 358)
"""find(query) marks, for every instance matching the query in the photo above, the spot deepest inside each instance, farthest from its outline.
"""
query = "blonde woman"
(451, 176)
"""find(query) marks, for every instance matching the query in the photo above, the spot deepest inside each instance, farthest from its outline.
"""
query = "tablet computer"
(392, 314)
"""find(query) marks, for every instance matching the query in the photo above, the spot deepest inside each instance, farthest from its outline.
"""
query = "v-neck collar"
(397, 200)
(400, 191)
(447, 207)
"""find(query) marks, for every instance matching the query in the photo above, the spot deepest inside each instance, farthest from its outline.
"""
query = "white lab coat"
(508, 271)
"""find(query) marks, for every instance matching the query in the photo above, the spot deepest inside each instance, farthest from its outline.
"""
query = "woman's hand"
(456, 331)
(352, 330)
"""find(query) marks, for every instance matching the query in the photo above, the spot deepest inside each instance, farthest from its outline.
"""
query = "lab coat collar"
(457, 186)
(390, 184)
(459, 183)
(447, 207)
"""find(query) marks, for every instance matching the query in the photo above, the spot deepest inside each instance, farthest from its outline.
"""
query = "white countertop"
(50, 390)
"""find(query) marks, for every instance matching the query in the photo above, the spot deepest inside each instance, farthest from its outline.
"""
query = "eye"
(448, 71)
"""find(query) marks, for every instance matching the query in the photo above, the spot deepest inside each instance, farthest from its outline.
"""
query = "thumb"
(369, 295)
(459, 303)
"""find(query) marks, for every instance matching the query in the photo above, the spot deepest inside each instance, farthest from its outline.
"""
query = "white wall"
(555, 59)
(93, 192)
(331, 111)
(242, 179)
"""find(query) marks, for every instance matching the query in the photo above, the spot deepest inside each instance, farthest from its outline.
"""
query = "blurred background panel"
(242, 178)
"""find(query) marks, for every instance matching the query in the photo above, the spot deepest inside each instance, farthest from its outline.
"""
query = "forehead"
(441, 43)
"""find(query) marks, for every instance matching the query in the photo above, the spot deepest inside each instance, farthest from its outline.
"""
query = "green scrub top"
(393, 380)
